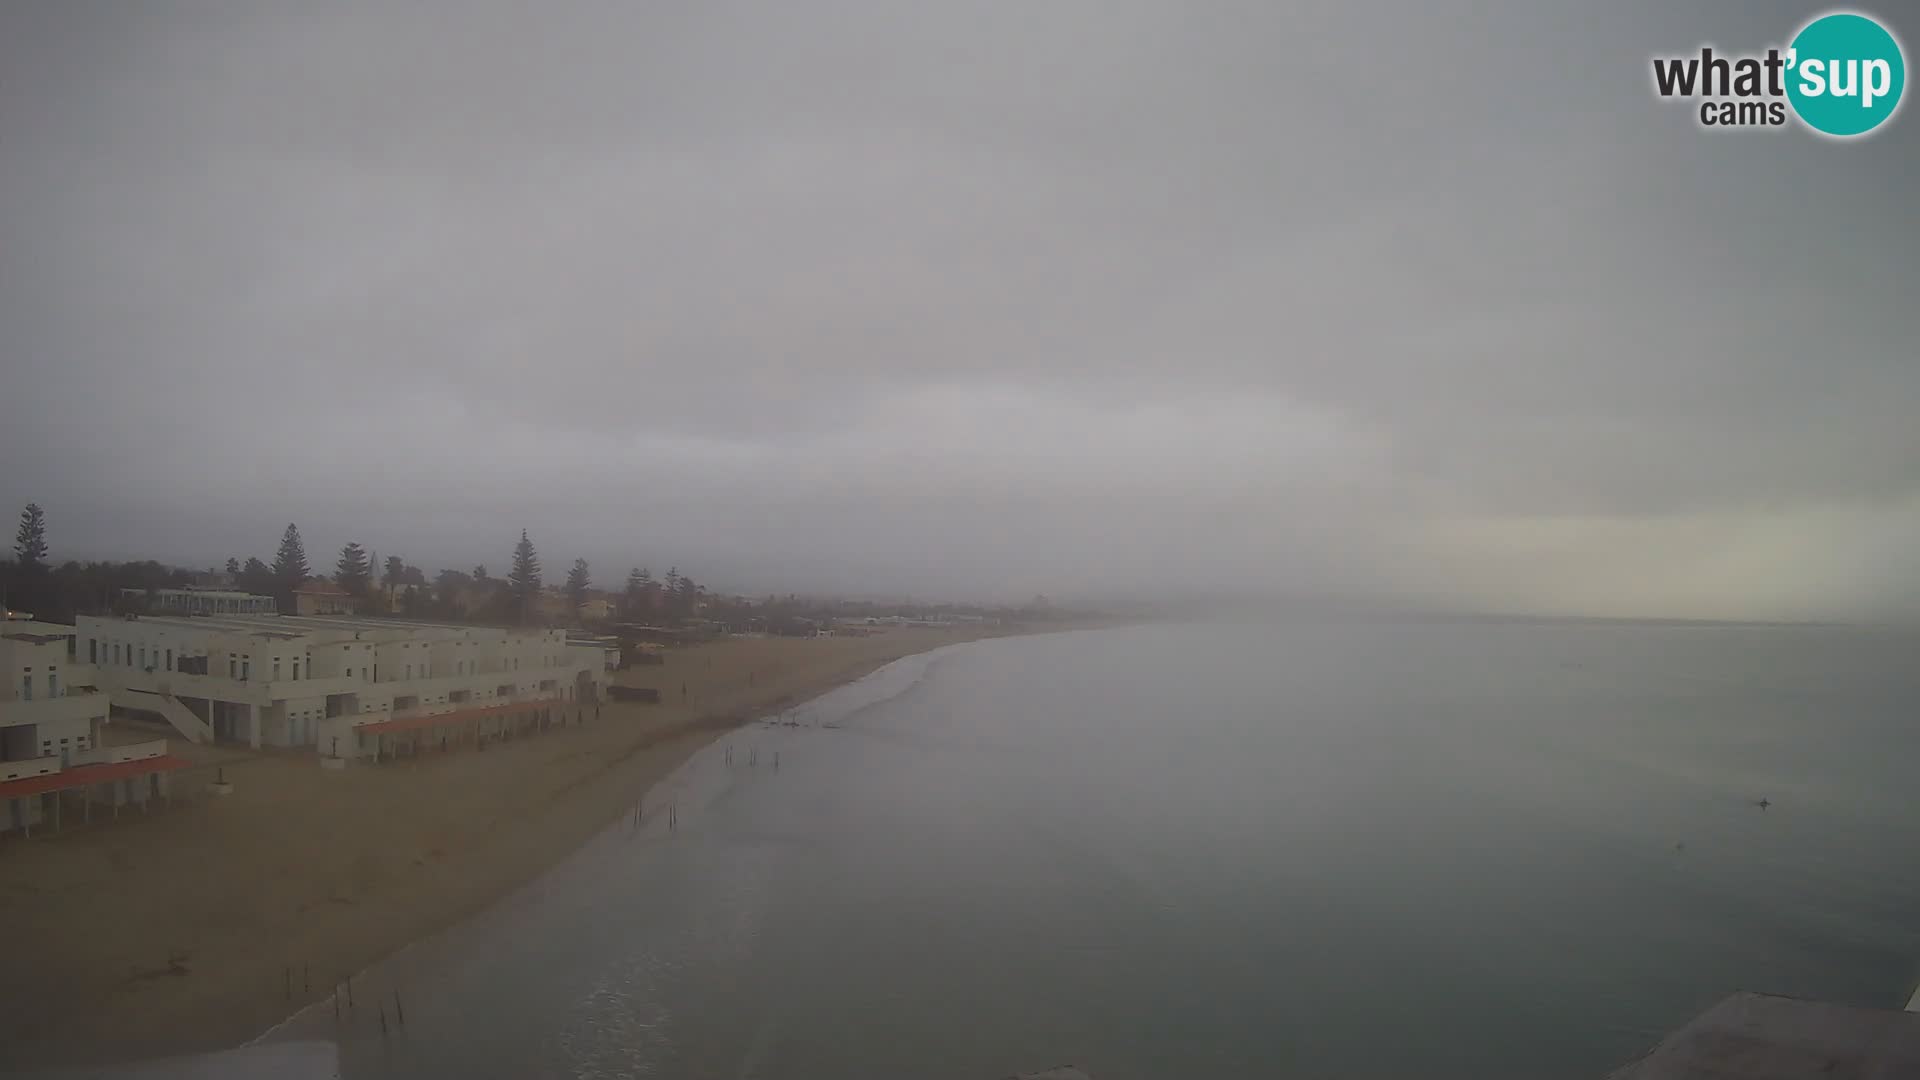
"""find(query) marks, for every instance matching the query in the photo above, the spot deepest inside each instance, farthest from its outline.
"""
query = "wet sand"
(198, 926)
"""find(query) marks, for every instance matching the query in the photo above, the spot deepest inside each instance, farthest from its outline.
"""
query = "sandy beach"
(175, 931)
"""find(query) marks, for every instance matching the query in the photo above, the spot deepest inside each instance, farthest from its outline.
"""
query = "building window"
(233, 667)
(143, 656)
(349, 673)
(26, 688)
(53, 684)
(169, 659)
(276, 669)
(93, 651)
(246, 669)
(296, 669)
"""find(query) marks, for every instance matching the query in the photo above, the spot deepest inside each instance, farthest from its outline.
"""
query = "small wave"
(843, 705)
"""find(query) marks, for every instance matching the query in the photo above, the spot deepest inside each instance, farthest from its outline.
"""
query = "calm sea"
(1331, 849)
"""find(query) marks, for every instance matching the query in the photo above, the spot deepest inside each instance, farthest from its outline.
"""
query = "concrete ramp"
(169, 708)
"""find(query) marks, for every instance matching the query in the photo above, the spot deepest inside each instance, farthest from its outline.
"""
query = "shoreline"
(211, 924)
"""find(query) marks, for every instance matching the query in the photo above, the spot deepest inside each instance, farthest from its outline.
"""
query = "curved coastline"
(203, 927)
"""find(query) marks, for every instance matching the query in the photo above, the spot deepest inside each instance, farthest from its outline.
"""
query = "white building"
(337, 684)
(52, 713)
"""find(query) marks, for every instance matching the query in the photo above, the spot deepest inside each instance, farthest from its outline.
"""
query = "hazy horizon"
(962, 302)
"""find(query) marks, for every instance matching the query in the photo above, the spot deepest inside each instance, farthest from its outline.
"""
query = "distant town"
(364, 662)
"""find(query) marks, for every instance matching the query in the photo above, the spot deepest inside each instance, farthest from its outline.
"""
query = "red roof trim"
(88, 775)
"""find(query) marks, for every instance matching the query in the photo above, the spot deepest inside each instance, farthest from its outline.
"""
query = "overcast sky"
(961, 299)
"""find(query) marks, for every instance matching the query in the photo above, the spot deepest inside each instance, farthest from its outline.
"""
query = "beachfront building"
(337, 684)
(52, 715)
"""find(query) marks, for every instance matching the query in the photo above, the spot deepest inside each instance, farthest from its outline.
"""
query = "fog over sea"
(1349, 848)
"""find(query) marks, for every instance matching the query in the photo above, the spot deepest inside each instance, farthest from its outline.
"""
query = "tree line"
(30, 583)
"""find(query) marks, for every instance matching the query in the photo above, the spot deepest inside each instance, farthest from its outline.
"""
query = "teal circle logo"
(1845, 74)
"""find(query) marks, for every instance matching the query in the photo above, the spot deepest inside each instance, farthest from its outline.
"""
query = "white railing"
(69, 707)
(108, 755)
(28, 767)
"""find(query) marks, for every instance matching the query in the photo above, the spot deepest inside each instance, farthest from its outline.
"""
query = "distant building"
(322, 597)
(554, 605)
(198, 601)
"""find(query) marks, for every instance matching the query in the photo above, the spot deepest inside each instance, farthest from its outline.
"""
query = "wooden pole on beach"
(399, 1010)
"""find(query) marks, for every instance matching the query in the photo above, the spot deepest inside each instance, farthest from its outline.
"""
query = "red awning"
(89, 775)
(460, 716)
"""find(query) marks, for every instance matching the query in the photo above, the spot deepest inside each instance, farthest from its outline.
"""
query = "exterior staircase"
(190, 727)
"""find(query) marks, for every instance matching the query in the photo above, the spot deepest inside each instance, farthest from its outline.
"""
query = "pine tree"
(233, 566)
(525, 578)
(290, 563)
(396, 570)
(256, 577)
(448, 585)
(577, 583)
(30, 543)
(480, 574)
(351, 572)
(636, 585)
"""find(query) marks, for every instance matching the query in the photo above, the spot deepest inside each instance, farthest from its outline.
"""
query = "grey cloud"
(973, 298)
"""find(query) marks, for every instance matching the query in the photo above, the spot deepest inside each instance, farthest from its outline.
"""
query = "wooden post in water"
(399, 1010)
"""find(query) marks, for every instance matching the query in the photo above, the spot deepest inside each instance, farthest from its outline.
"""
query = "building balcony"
(76, 707)
(111, 755)
(27, 768)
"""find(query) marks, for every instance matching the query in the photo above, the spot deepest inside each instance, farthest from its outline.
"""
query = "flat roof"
(39, 633)
(230, 624)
